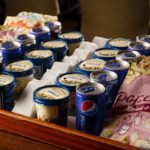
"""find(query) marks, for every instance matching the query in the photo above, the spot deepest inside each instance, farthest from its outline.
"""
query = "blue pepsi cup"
(109, 80)
(90, 107)
(120, 67)
(7, 88)
(70, 81)
(142, 47)
(91, 65)
(58, 47)
(129, 56)
(105, 54)
(42, 60)
(11, 51)
(42, 34)
(52, 104)
(27, 42)
(118, 43)
(143, 38)
(55, 28)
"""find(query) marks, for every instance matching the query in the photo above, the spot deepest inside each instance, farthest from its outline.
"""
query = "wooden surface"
(9, 141)
(55, 135)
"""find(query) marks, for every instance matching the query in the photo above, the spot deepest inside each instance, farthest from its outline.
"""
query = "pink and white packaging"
(130, 122)
(100, 41)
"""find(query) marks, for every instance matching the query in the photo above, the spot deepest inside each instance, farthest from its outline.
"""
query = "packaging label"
(52, 93)
(119, 42)
(132, 103)
(20, 66)
(107, 53)
(73, 79)
(40, 54)
(92, 65)
(71, 35)
(54, 44)
(5, 80)
(87, 89)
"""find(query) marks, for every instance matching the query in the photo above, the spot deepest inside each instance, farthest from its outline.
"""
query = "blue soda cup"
(128, 55)
(109, 80)
(55, 28)
(42, 34)
(90, 107)
(11, 51)
(120, 67)
(142, 47)
(27, 42)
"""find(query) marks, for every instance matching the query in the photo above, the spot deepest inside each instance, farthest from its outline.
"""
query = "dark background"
(107, 18)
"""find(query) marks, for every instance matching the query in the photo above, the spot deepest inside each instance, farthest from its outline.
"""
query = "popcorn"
(144, 144)
(139, 68)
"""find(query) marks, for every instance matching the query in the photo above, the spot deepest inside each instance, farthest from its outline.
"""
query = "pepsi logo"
(139, 47)
(87, 89)
(130, 55)
(7, 44)
(49, 24)
(89, 108)
(102, 77)
(22, 37)
(147, 39)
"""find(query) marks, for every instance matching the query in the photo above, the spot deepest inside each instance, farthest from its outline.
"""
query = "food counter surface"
(21, 132)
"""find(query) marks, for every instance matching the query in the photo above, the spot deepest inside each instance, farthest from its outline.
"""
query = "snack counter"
(51, 134)
(67, 93)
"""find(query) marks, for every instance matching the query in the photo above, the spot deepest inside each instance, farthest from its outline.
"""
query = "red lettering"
(138, 99)
(147, 98)
(120, 97)
(130, 98)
